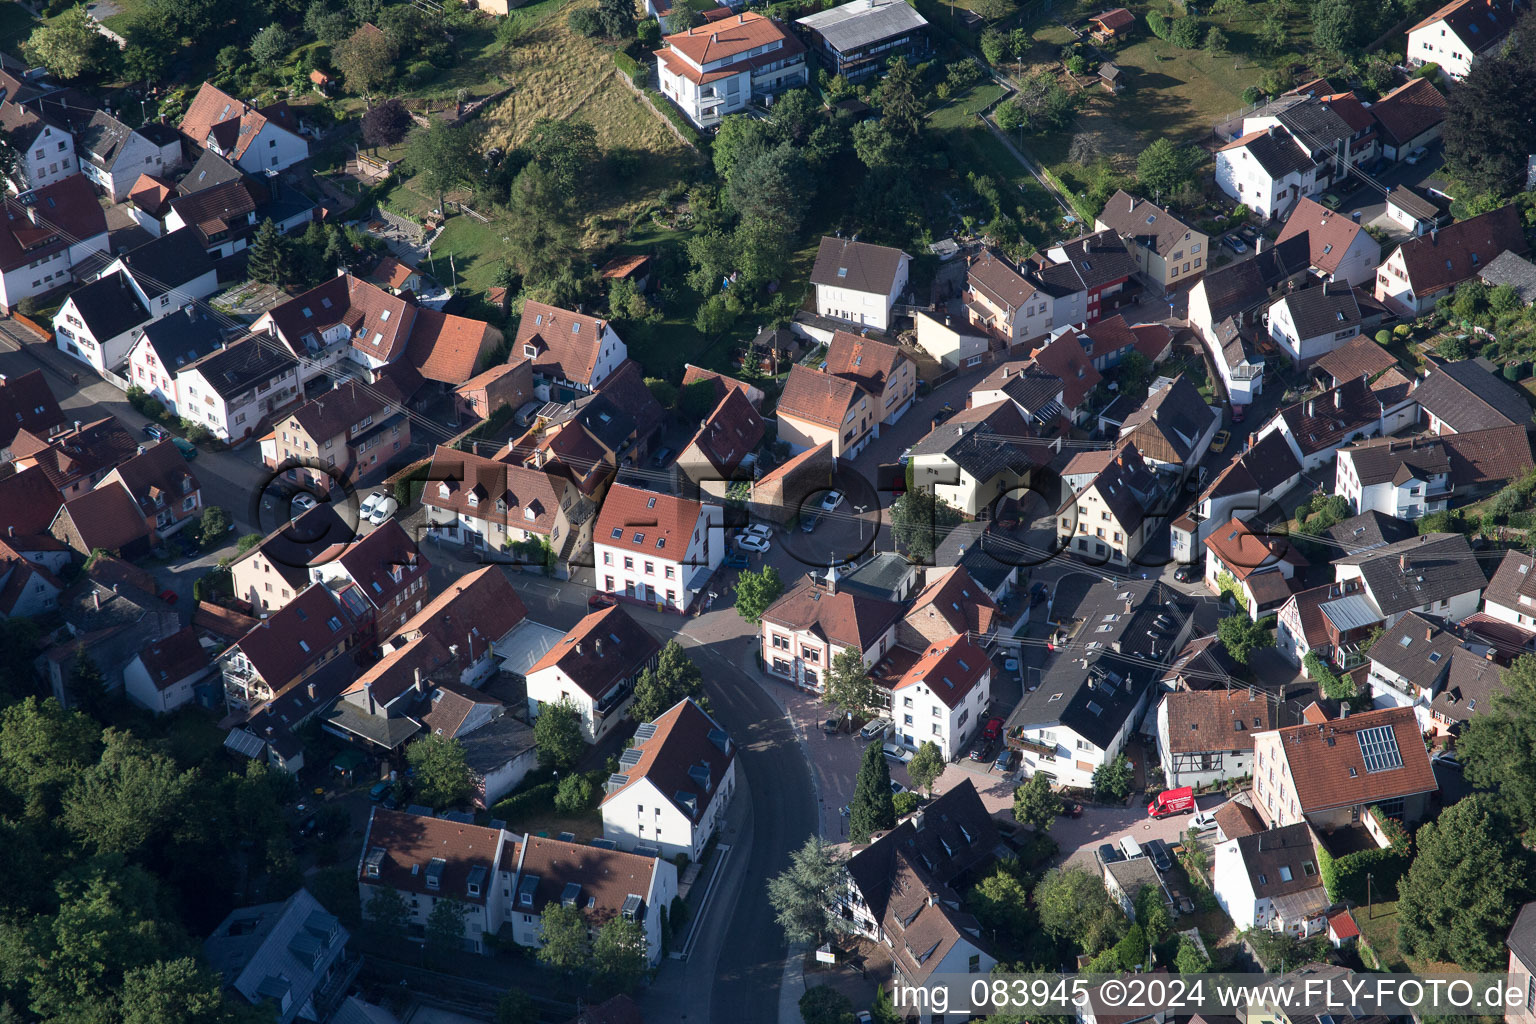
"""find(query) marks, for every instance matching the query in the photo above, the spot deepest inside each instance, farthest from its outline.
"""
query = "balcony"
(1246, 371)
(612, 700)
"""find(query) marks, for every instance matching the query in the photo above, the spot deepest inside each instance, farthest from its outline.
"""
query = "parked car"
(1234, 243)
(993, 730)
(831, 725)
(662, 457)
(737, 560)
(155, 431)
(1238, 413)
(897, 787)
(1417, 155)
(1072, 809)
(752, 542)
(369, 504)
(1203, 821)
(1108, 854)
(906, 456)
(982, 751)
(187, 448)
(809, 522)
(383, 510)
(168, 595)
(1157, 851)
(874, 728)
(1332, 201)
(1037, 593)
(1130, 847)
(831, 501)
(756, 530)
(1221, 440)
(601, 600)
(302, 503)
(1004, 761)
(895, 751)
(1185, 574)
(380, 790)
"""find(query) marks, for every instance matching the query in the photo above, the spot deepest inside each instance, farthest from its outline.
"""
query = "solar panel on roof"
(1378, 745)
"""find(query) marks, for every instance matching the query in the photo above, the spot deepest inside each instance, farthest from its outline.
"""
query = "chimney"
(1132, 201)
(1402, 563)
(1338, 399)
(1429, 632)
(1311, 404)
(310, 689)
(373, 707)
(420, 685)
(578, 647)
(597, 645)
(77, 426)
(10, 531)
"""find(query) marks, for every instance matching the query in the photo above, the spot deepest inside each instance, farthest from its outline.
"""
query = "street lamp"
(861, 509)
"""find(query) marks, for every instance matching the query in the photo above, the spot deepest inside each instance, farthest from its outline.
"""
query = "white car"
(302, 503)
(1203, 820)
(383, 510)
(897, 787)
(831, 501)
(896, 752)
(1416, 155)
(752, 542)
(373, 501)
(756, 530)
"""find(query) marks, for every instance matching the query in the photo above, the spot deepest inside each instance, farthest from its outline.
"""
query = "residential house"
(482, 610)
(226, 215)
(1270, 880)
(806, 628)
(1005, 301)
(508, 385)
(499, 755)
(1470, 685)
(1173, 429)
(1417, 212)
(980, 457)
(1332, 621)
(589, 440)
(1465, 395)
(778, 495)
(1522, 965)
(943, 697)
(594, 668)
(395, 276)
(1258, 565)
(1456, 34)
(27, 403)
(718, 384)
(100, 322)
(1516, 271)
(1341, 250)
(722, 66)
(1224, 307)
(348, 433)
(1295, 146)
(1436, 573)
(506, 880)
(275, 570)
(258, 141)
(1039, 396)
(161, 677)
(1069, 359)
(656, 548)
(1358, 357)
(384, 708)
(1317, 427)
(288, 646)
(29, 584)
(344, 319)
(889, 576)
(450, 349)
(49, 235)
(75, 460)
(28, 503)
(1111, 339)
(1252, 483)
(114, 155)
(161, 483)
(989, 553)
(951, 602)
(1112, 518)
(572, 353)
(818, 408)
(36, 118)
(166, 346)
(387, 569)
(289, 958)
(881, 370)
(1422, 269)
(1084, 273)
(1327, 774)
(1409, 117)
(856, 281)
(1167, 251)
(673, 786)
(1267, 170)
(1202, 664)
(1366, 531)
(856, 39)
(1409, 663)
(1206, 736)
(109, 614)
(1091, 699)
(1404, 479)
(234, 390)
(490, 505)
(724, 448)
(103, 520)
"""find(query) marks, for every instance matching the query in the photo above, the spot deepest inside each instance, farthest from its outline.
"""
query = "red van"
(1172, 801)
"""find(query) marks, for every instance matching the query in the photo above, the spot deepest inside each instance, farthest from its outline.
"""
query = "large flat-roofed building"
(856, 39)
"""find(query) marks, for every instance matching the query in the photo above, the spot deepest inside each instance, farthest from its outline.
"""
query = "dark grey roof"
(384, 730)
(1465, 396)
(1418, 571)
(101, 139)
(1099, 258)
(1127, 487)
(1317, 312)
(210, 170)
(884, 576)
(159, 134)
(985, 445)
(109, 306)
(1177, 412)
(495, 744)
(1277, 153)
(1117, 411)
(1151, 226)
(864, 22)
(1384, 460)
(233, 370)
(1516, 271)
(168, 262)
(1418, 647)
(1522, 937)
(949, 837)
(1094, 700)
(1290, 847)
(967, 545)
(1412, 203)
(1366, 531)
(1248, 283)
(1470, 684)
(184, 336)
(1036, 392)
(859, 266)
(1310, 120)
(280, 951)
(1271, 461)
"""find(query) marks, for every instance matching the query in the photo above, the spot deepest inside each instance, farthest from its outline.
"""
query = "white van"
(1130, 848)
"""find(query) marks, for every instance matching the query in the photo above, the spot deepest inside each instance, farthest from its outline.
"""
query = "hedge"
(1079, 205)
(1345, 877)
(671, 113)
(528, 802)
(630, 67)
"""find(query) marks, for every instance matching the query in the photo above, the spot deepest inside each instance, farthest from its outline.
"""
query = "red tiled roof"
(174, 658)
(1114, 20)
(621, 267)
(391, 273)
(1328, 766)
(735, 36)
(869, 363)
(817, 397)
(730, 433)
(378, 323)
(374, 561)
(294, 637)
(412, 842)
(1410, 110)
(151, 195)
(482, 605)
(446, 348)
(602, 649)
(76, 454)
(1207, 720)
(848, 620)
(1242, 551)
(684, 739)
(647, 523)
(565, 344)
(106, 518)
(67, 214)
(1450, 255)
(606, 877)
(1361, 357)
(27, 403)
(1064, 357)
(336, 412)
(234, 124)
(160, 471)
(999, 280)
(958, 601)
(398, 672)
(695, 374)
(1238, 819)
(1329, 234)
(950, 668)
(504, 493)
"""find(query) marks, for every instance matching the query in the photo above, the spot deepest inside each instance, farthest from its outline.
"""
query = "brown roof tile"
(1360, 357)
(27, 403)
(1243, 551)
(1449, 255)
(233, 123)
(295, 636)
(67, 214)
(483, 605)
(849, 620)
(76, 455)
(447, 348)
(1409, 111)
(161, 470)
(817, 397)
(959, 602)
(565, 344)
(647, 522)
(859, 266)
(606, 877)
(378, 323)
(1064, 357)
(950, 668)
(174, 658)
(687, 754)
(730, 434)
(602, 649)
(1329, 235)
(503, 492)
(869, 363)
(1205, 720)
(999, 280)
(106, 518)
(1328, 765)
(1238, 819)
(412, 842)
(695, 374)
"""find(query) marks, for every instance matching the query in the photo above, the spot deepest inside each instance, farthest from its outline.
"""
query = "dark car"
(1037, 593)
(661, 458)
(601, 600)
(808, 523)
(1157, 851)
(1110, 854)
(737, 560)
(831, 725)
(380, 790)
(168, 595)
(1234, 243)
(1184, 574)
(982, 751)
(311, 829)
(1004, 761)
(1072, 810)
(157, 432)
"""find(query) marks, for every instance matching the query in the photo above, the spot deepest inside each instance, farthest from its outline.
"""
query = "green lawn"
(128, 12)
(1379, 928)
(475, 248)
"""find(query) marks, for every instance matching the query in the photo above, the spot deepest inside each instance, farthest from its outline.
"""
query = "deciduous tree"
(619, 957)
(386, 123)
(445, 929)
(1497, 747)
(846, 685)
(756, 592)
(69, 45)
(823, 1004)
(366, 61)
(1163, 167)
(1241, 636)
(1074, 907)
(443, 154)
(1035, 804)
(443, 778)
(563, 930)
(674, 678)
(557, 732)
(271, 45)
(1113, 778)
(926, 766)
(180, 991)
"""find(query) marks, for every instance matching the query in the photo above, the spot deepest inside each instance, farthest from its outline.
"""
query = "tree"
(1497, 747)
(1241, 636)
(43, 748)
(443, 777)
(1035, 804)
(271, 45)
(1489, 127)
(871, 809)
(148, 52)
(574, 794)
(179, 990)
(804, 895)
(1075, 907)
(563, 930)
(1334, 25)
(995, 10)
(69, 45)
(366, 61)
(1216, 41)
(214, 525)
(557, 733)
(617, 18)
(386, 124)
(566, 150)
(88, 686)
(822, 1004)
(443, 154)
(919, 521)
(1185, 33)
(1228, 8)
(1163, 167)
(1462, 890)
(674, 678)
(619, 957)
(1001, 904)
(1152, 913)
(1189, 959)
(515, 1007)
(132, 799)
(1334, 686)
(445, 929)
(266, 262)
(325, 23)
(847, 685)
(1113, 778)
(926, 766)
(903, 111)
(756, 592)
(388, 912)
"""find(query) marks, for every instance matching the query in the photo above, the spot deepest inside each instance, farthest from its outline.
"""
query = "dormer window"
(442, 489)
(529, 351)
(528, 514)
(474, 499)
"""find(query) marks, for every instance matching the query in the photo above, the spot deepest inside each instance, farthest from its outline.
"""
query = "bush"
(29, 306)
(419, 73)
(1383, 337)
(631, 67)
(527, 802)
(1158, 23)
(1516, 370)
(152, 408)
(680, 122)
(1252, 95)
(1453, 348)
(1402, 331)
(585, 22)
(1430, 71)
(905, 803)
